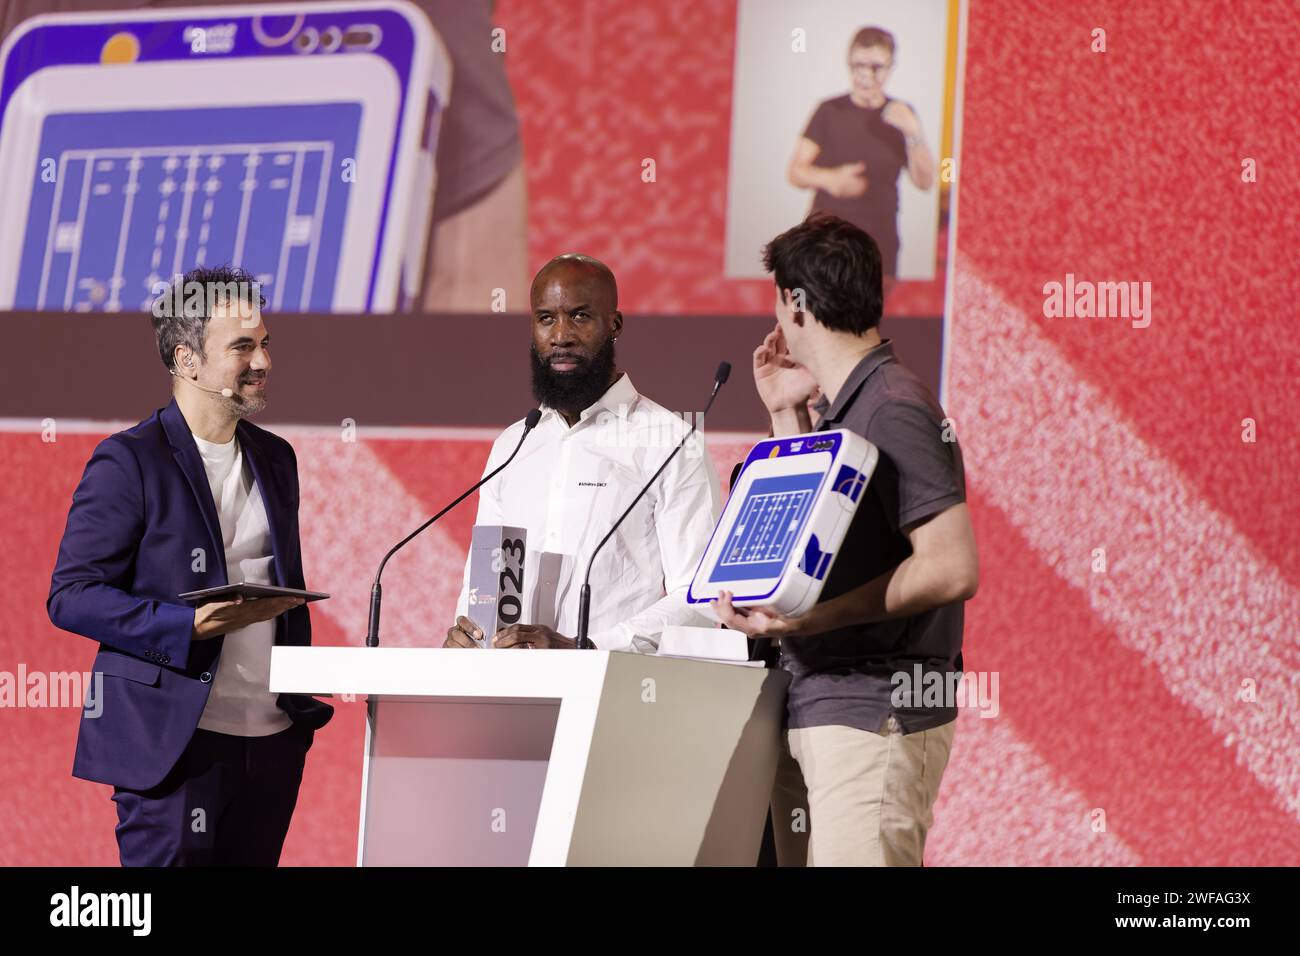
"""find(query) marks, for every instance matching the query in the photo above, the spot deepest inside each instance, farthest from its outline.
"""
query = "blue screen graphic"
(771, 517)
(139, 196)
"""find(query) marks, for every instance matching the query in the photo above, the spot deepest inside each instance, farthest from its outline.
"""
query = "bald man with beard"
(597, 443)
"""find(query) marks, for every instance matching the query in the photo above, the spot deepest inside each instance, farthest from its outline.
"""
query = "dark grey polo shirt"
(844, 677)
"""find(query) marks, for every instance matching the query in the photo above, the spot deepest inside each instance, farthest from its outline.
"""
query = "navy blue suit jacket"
(142, 529)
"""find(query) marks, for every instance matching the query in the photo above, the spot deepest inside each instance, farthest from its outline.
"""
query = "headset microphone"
(223, 392)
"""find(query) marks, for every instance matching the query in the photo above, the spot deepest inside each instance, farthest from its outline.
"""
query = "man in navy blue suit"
(204, 760)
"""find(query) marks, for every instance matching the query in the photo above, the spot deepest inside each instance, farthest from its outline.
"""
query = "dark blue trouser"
(227, 802)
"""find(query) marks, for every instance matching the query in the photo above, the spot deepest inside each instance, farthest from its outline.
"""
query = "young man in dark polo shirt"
(861, 772)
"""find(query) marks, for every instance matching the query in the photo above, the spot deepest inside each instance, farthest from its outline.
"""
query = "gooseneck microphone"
(584, 596)
(376, 592)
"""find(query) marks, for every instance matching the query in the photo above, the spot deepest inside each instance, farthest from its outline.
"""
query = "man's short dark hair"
(836, 266)
(182, 309)
(873, 36)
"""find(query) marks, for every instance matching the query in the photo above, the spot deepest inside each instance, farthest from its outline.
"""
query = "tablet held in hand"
(228, 592)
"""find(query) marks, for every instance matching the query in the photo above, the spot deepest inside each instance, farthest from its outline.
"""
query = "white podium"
(549, 758)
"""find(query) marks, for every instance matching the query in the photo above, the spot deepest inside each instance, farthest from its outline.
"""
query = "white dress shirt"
(240, 701)
(568, 486)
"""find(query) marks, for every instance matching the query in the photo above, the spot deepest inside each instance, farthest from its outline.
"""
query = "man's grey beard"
(242, 408)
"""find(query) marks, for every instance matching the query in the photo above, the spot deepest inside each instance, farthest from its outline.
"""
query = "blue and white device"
(785, 521)
(295, 140)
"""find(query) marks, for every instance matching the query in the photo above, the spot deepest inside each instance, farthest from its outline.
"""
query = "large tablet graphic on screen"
(294, 141)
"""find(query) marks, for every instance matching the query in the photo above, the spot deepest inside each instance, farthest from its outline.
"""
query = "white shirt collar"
(621, 395)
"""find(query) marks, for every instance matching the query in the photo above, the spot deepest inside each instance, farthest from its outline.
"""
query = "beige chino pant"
(847, 797)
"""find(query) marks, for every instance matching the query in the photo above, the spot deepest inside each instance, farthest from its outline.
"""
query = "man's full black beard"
(573, 392)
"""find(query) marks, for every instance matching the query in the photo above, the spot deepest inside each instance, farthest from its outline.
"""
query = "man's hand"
(920, 161)
(527, 636)
(762, 621)
(847, 181)
(464, 633)
(220, 617)
(783, 384)
(900, 116)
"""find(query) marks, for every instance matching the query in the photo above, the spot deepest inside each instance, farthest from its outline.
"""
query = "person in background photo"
(856, 146)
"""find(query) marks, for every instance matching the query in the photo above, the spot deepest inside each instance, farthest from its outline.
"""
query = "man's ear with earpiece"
(796, 314)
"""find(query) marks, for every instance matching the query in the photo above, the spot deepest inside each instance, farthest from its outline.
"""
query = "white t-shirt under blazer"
(240, 702)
